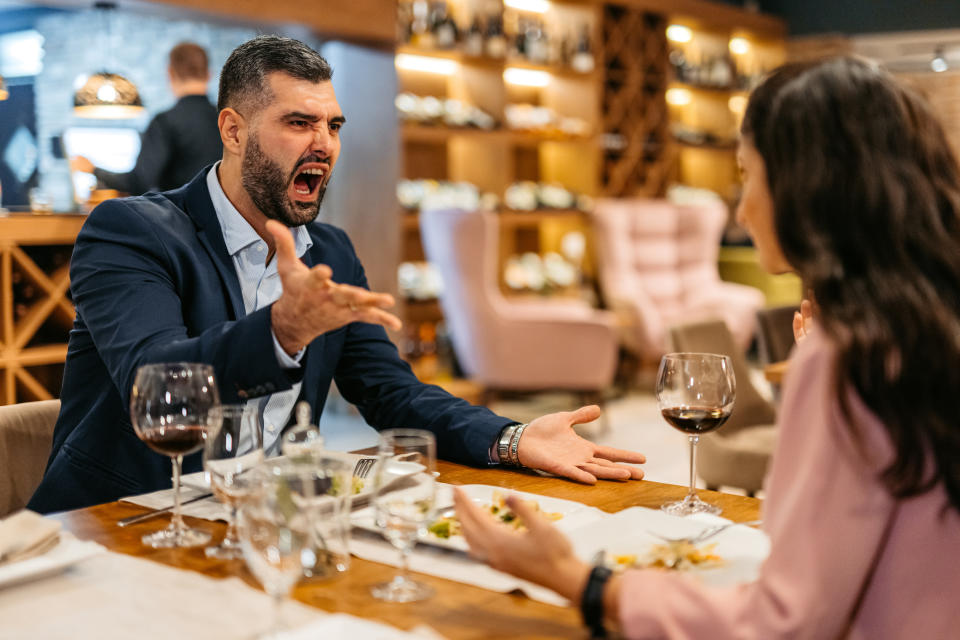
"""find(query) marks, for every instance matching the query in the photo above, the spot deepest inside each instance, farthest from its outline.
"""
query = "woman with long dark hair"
(849, 182)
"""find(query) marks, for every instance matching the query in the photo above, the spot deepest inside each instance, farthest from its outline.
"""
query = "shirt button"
(271, 428)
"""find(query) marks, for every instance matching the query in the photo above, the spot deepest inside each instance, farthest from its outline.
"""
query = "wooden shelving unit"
(35, 311)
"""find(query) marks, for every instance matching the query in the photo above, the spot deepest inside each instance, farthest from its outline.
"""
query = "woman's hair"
(866, 197)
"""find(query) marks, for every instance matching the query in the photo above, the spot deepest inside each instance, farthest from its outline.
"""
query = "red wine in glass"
(178, 440)
(695, 420)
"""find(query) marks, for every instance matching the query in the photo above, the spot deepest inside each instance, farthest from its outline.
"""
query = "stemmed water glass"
(172, 411)
(230, 456)
(695, 392)
(274, 533)
(404, 509)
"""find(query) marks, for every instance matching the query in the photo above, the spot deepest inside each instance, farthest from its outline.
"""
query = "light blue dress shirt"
(261, 286)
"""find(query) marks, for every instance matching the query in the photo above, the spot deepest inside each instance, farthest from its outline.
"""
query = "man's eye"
(300, 123)
(336, 126)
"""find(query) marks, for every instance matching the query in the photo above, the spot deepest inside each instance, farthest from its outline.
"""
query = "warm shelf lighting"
(4, 93)
(737, 104)
(533, 6)
(939, 63)
(426, 64)
(526, 77)
(678, 97)
(739, 46)
(679, 33)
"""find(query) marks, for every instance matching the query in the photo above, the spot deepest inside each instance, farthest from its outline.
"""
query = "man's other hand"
(312, 303)
(81, 164)
(550, 444)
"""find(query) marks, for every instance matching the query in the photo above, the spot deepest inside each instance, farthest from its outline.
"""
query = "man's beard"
(267, 187)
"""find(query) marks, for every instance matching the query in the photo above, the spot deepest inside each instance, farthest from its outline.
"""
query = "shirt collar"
(237, 232)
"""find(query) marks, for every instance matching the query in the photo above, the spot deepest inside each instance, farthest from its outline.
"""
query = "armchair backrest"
(463, 247)
(657, 250)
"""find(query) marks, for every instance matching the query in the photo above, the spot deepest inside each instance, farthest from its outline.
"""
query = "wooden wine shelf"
(498, 64)
(513, 218)
(16, 353)
(440, 134)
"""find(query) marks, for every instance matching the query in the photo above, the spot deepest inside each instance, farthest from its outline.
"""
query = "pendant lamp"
(107, 95)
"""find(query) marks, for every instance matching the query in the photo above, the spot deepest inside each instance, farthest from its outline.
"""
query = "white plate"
(575, 514)
(742, 548)
(68, 552)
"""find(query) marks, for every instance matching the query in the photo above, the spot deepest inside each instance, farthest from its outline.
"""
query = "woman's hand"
(541, 554)
(803, 321)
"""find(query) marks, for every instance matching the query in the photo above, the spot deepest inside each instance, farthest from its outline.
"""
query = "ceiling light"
(426, 64)
(107, 96)
(678, 97)
(533, 6)
(526, 77)
(739, 46)
(679, 33)
(939, 63)
(737, 104)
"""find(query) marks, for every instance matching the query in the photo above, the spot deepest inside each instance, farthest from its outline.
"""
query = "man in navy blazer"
(175, 276)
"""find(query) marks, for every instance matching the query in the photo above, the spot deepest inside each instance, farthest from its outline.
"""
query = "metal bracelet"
(515, 444)
(503, 443)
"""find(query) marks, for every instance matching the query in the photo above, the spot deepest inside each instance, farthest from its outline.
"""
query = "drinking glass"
(230, 456)
(172, 411)
(274, 531)
(404, 503)
(695, 392)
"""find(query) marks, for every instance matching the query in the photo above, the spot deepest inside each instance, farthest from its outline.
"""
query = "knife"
(158, 512)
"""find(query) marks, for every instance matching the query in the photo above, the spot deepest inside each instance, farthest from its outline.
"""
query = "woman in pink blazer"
(849, 181)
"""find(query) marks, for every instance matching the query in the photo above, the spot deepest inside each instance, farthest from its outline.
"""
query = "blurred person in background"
(849, 181)
(178, 142)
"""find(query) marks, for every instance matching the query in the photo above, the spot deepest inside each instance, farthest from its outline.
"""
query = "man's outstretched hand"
(312, 303)
(550, 444)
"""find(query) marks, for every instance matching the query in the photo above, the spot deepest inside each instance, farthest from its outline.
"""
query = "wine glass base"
(226, 550)
(401, 589)
(170, 537)
(689, 506)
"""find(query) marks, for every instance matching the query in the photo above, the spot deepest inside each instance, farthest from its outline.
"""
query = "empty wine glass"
(171, 408)
(274, 532)
(404, 509)
(695, 392)
(230, 456)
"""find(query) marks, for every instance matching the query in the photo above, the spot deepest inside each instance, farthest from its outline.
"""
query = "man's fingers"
(474, 527)
(528, 515)
(378, 316)
(574, 473)
(620, 455)
(287, 259)
(607, 472)
(585, 414)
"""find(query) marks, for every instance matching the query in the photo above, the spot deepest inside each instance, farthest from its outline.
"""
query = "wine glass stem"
(405, 562)
(230, 538)
(176, 522)
(692, 493)
(277, 625)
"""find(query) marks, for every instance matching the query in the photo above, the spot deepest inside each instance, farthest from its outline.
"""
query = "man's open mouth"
(307, 183)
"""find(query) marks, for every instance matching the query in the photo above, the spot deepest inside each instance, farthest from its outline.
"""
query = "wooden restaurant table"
(457, 610)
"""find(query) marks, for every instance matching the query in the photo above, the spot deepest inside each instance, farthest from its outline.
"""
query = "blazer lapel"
(200, 208)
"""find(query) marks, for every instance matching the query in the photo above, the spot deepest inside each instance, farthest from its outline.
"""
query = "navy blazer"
(152, 282)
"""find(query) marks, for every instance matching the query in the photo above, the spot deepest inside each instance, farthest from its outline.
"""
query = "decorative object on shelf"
(542, 274)
(530, 196)
(106, 95)
(449, 112)
(528, 117)
(416, 194)
(419, 281)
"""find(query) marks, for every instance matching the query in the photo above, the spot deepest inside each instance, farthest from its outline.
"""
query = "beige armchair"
(737, 454)
(506, 345)
(658, 268)
(26, 436)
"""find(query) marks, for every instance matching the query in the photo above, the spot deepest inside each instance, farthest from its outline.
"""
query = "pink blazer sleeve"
(825, 512)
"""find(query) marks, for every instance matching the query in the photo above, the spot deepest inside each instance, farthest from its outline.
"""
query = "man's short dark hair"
(188, 61)
(243, 80)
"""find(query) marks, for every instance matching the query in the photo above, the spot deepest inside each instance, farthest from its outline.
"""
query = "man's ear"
(233, 130)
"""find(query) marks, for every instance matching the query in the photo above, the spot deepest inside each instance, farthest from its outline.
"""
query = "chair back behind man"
(26, 436)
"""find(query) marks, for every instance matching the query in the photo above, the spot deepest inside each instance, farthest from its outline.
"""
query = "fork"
(362, 469)
(706, 534)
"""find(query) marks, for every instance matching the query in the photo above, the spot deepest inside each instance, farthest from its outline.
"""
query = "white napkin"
(26, 534)
(67, 553)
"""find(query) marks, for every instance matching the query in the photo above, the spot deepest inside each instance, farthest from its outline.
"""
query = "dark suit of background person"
(153, 282)
(178, 142)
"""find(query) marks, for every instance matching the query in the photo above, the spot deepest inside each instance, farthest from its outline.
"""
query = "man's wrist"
(289, 342)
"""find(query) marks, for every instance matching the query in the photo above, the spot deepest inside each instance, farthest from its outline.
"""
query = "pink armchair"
(525, 346)
(658, 268)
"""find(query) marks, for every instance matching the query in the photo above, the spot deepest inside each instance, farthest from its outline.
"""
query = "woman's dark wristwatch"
(591, 604)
